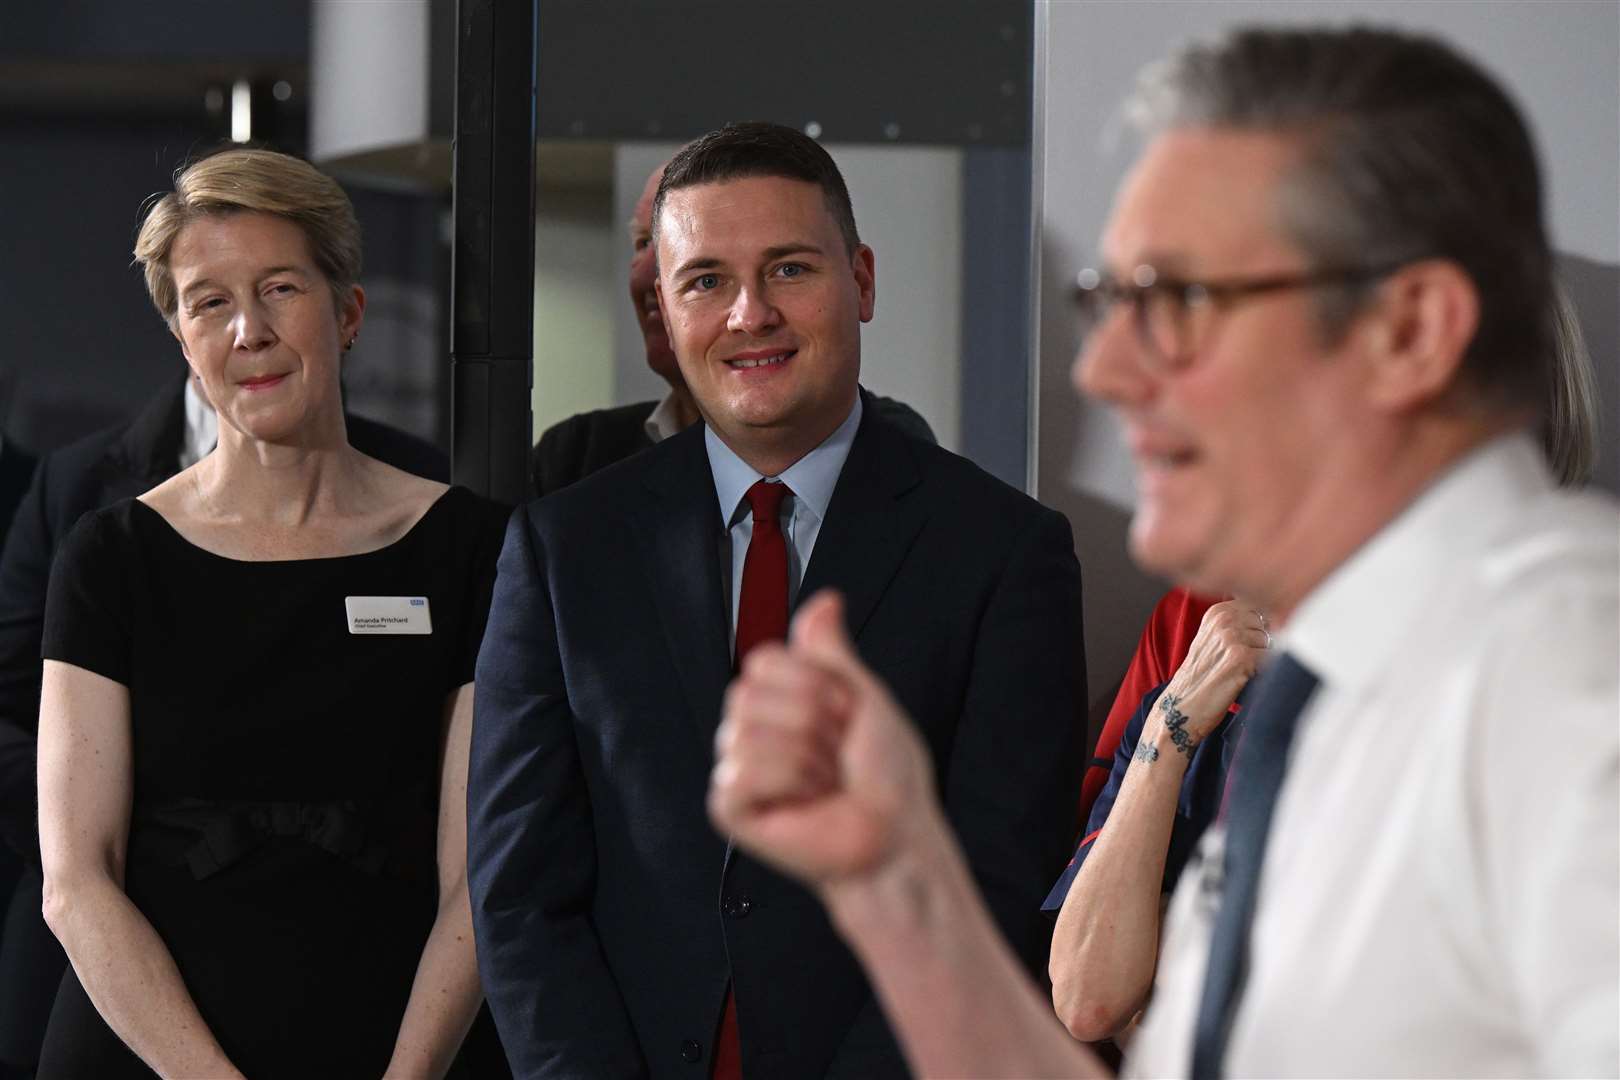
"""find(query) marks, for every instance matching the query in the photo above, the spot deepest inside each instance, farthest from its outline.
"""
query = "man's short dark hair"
(1410, 151)
(737, 151)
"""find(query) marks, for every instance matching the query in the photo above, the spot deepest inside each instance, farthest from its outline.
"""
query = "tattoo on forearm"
(1176, 722)
(1144, 752)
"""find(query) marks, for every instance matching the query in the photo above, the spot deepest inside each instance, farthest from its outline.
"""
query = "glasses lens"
(1161, 319)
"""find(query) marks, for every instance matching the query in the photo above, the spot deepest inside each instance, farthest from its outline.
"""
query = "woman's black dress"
(286, 775)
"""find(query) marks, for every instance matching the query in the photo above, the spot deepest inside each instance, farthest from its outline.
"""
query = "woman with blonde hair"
(258, 691)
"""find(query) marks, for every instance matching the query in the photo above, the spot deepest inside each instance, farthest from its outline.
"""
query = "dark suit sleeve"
(398, 448)
(905, 418)
(530, 847)
(1014, 771)
(555, 461)
(25, 570)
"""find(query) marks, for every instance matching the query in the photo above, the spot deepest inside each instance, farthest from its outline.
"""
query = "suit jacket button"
(736, 907)
(691, 1051)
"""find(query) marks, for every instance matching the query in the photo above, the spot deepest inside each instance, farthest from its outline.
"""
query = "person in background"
(1145, 824)
(1109, 907)
(257, 691)
(1329, 376)
(572, 449)
(173, 430)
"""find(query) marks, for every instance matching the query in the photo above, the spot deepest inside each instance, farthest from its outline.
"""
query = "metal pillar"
(492, 269)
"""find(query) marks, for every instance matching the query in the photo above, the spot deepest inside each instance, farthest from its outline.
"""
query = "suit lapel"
(148, 452)
(677, 528)
(873, 517)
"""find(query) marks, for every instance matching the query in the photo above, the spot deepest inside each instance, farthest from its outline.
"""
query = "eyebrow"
(702, 263)
(709, 262)
(792, 249)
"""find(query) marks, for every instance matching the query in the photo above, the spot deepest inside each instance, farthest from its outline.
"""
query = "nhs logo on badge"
(417, 601)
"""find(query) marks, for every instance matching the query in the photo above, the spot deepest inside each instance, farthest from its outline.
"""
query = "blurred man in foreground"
(1321, 319)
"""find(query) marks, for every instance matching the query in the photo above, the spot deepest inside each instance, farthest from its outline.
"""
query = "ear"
(865, 269)
(352, 314)
(1426, 318)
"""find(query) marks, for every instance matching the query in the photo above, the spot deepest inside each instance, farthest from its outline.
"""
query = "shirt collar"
(1346, 629)
(812, 478)
(662, 422)
(202, 427)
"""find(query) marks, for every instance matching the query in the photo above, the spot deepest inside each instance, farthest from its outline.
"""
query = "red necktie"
(762, 615)
(762, 609)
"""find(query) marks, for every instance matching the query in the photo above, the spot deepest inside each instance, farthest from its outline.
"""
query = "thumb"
(818, 633)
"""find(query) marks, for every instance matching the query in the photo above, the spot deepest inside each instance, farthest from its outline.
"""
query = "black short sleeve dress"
(286, 786)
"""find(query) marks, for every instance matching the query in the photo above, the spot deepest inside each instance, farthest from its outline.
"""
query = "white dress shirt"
(1441, 888)
(811, 479)
(663, 421)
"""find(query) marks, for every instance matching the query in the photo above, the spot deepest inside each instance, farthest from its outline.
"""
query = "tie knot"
(765, 499)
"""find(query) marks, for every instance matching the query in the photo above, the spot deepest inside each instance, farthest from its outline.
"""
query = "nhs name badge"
(388, 615)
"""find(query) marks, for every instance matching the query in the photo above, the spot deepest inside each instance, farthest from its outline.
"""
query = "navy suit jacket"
(609, 914)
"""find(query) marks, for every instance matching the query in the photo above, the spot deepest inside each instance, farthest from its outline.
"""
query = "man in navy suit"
(618, 934)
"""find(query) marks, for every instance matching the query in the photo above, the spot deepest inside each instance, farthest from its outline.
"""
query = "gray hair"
(1569, 428)
(1409, 151)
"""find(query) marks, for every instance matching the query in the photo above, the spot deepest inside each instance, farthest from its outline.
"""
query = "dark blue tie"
(1269, 724)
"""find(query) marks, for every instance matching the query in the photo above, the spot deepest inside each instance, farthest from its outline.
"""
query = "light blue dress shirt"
(811, 479)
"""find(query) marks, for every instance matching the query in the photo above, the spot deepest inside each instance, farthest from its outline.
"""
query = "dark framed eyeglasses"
(1172, 316)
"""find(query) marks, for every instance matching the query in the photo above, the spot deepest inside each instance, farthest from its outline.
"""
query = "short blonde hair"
(264, 181)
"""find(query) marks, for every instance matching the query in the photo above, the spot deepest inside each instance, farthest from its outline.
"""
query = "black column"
(492, 272)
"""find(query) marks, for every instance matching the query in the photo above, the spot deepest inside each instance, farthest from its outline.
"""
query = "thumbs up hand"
(817, 771)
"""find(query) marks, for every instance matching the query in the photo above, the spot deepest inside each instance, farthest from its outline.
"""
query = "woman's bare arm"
(86, 785)
(1106, 942)
(1105, 946)
(446, 993)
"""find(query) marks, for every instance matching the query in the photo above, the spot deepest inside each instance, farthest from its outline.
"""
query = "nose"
(253, 330)
(752, 312)
(1110, 364)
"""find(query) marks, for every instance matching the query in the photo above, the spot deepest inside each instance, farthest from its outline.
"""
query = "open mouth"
(1167, 460)
(1159, 457)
